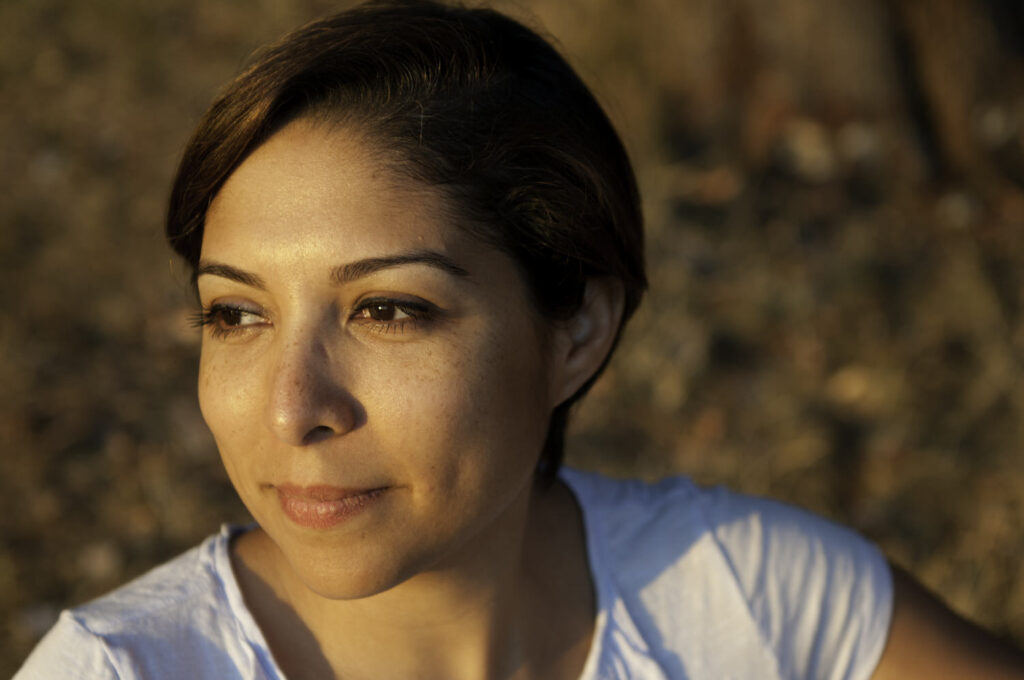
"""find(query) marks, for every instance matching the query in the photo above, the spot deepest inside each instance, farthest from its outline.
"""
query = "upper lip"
(323, 492)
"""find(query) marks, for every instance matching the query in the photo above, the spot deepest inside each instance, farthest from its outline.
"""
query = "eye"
(226, 319)
(387, 315)
(382, 310)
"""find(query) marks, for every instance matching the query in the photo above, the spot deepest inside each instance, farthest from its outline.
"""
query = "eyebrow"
(345, 273)
(228, 272)
(357, 270)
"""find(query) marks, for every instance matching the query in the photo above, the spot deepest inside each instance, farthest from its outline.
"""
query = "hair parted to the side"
(468, 101)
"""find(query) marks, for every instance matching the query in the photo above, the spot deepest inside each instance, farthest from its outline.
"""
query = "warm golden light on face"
(366, 365)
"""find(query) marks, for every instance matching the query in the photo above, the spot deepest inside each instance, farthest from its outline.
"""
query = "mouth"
(322, 507)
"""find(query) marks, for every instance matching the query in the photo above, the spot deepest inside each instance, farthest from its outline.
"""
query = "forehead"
(312, 184)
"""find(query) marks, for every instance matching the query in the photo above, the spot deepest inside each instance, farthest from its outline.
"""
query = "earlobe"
(587, 337)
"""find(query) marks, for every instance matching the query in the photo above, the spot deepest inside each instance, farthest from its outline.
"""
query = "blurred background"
(833, 194)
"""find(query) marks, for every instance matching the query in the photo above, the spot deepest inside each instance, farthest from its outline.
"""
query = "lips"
(322, 507)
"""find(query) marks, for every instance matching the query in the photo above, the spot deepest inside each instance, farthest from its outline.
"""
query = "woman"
(416, 239)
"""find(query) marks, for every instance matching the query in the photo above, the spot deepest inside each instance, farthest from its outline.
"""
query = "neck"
(514, 602)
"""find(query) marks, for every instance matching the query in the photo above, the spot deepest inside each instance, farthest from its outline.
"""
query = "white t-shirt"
(692, 583)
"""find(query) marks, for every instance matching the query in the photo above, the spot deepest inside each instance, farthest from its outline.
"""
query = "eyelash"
(215, 317)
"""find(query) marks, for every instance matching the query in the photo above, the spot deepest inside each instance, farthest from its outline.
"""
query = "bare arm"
(927, 640)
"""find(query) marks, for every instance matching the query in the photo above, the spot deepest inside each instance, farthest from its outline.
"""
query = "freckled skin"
(449, 414)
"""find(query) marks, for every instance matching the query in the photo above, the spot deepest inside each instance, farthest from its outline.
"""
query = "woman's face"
(377, 382)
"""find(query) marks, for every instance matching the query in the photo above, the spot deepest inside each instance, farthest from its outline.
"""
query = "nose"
(308, 401)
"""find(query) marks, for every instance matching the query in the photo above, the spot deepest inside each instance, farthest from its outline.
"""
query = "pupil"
(382, 311)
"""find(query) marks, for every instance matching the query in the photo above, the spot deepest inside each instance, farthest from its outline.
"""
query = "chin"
(349, 573)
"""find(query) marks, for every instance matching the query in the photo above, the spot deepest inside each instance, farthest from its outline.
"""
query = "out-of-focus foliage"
(833, 199)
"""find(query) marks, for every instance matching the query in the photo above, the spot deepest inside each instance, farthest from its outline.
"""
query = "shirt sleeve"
(68, 650)
(821, 594)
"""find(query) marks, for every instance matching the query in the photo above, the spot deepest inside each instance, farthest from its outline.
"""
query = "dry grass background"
(833, 196)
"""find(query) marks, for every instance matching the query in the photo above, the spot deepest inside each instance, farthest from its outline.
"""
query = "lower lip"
(320, 510)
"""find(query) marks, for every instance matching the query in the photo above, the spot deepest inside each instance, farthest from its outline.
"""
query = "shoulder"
(760, 541)
(174, 619)
(185, 591)
(68, 645)
(811, 585)
(808, 595)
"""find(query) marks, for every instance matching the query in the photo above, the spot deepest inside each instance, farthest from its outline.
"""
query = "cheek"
(228, 400)
(470, 411)
(209, 386)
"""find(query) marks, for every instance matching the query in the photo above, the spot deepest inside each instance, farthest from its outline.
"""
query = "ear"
(582, 342)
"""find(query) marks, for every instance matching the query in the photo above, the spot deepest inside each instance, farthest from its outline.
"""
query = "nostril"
(318, 433)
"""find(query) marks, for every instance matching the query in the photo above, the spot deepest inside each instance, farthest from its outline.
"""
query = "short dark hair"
(469, 101)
